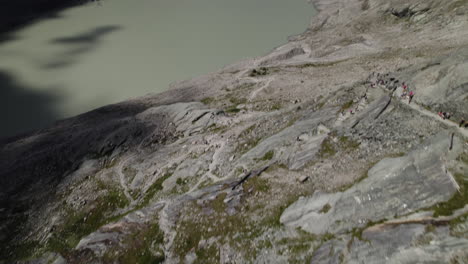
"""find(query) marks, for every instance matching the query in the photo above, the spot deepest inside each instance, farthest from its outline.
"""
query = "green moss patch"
(347, 186)
(303, 245)
(348, 144)
(237, 100)
(268, 156)
(232, 109)
(276, 106)
(207, 100)
(346, 106)
(257, 184)
(320, 64)
(79, 224)
(209, 254)
(217, 129)
(243, 230)
(463, 158)
(325, 209)
(458, 226)
(458, 200)
(144, 245)
(262, 71)
(20, 251)
(156, 187)
(327, 149)
(247, 139)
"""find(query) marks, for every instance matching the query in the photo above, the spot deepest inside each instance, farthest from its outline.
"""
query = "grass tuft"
(458, 200)
(207, 100)
(79, 224)
(325, 209)
(268, 156)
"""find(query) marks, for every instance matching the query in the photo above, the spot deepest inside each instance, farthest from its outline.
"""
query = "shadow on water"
(79, 44)
(90, 37)
(17, 14)
(23, 108)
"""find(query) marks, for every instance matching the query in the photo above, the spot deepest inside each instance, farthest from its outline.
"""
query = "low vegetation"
(156, 187)
(207, 100)
(327, 149)
(325, 209)
(458, 200)
(208, 225)
(78, 224)
(248, 139)
(262, 71)
(268, 156)
(143, 245)
(346, 106)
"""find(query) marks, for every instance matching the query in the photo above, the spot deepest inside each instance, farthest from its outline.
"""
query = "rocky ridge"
(294, 157)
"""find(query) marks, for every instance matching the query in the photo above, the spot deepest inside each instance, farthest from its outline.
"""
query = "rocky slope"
(307, 155)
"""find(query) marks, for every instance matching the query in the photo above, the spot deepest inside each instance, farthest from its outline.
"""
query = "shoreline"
(263, 161)
(146, 76)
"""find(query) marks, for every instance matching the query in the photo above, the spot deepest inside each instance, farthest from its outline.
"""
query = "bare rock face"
(314, 153)
(420, 178)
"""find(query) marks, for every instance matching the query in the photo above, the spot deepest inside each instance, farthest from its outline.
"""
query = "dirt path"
(428, 113)
(435, 116)
(254, 93)
(120, 168)
(122, 180)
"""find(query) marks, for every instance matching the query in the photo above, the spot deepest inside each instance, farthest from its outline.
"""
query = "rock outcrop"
(313, 153)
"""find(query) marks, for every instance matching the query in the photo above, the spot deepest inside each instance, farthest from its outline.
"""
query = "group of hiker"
(444, 115)
(463, 123)
(393, 84)
(447, 115)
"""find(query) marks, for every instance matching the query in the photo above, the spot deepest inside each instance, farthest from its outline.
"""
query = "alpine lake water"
(106, 52)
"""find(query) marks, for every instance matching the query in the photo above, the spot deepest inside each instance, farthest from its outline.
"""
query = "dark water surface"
(96, 54)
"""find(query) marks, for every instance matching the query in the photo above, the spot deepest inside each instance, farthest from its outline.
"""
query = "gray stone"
(419, 178)
(303, 179)
(321, 129)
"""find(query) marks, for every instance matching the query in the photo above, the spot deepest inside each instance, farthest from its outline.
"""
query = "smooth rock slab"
(287, 149)
(402, 244)
(394, 187)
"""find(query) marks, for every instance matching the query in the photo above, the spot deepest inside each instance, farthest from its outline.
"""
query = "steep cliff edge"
(311, 154)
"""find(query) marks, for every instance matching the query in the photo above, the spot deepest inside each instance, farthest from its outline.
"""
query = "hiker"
(441, 115)
(411, 95)
(462, 122)
(404, 86)
(444, 115)
(447, 115)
